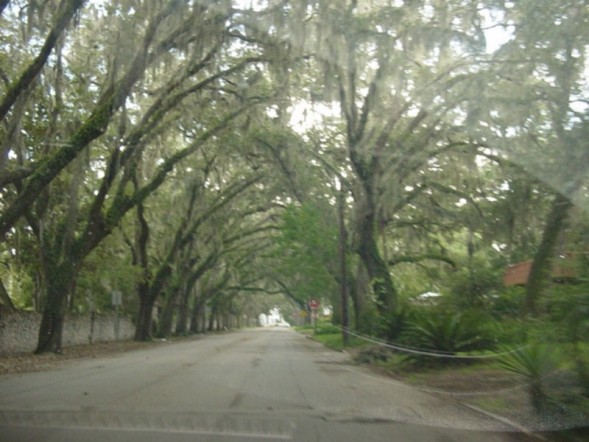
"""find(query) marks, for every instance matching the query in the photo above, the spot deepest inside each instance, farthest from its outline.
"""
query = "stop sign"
(313, 304)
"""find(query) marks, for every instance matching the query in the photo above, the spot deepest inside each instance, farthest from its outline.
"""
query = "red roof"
(562, 267)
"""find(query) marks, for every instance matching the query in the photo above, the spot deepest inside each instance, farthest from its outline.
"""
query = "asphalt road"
(245, 386)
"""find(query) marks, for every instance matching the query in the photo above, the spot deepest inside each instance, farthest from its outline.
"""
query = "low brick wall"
(19, 330)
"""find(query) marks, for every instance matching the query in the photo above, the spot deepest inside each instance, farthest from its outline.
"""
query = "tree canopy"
(192, 153)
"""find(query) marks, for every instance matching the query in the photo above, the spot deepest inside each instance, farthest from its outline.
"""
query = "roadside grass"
(330, 336)
(322, 328)
(336, 341)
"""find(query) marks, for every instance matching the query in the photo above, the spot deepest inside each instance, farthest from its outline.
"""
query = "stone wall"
(19, 330)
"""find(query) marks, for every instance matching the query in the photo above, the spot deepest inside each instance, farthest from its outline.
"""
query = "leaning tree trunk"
(540, 273)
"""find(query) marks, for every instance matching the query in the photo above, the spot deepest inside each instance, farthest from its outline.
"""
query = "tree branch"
(419, 258)
(66, 10)
(92, 128)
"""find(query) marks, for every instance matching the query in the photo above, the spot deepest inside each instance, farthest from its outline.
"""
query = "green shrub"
(534, 362)
(508, 303)
(448, 332)
(370, 321)
(568, 309)
(515, 332)
(580, 358)
(395, 324)
(470, 290)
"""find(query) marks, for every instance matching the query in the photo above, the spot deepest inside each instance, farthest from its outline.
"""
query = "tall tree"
(398, 74)
(110, 167)
(541, 111)
(111, 99)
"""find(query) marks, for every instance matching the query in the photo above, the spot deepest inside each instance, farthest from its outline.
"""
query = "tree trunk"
(212, 316)
(203, 318)
(377, 268)
(144, 326)
(144, 318)
(540, 273)
(344, 286)
(182, 322)
(58, 280)
(167, 322)
(196, 321)
(51, 330)
(357, 287)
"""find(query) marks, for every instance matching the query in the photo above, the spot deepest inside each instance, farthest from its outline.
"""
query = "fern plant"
(448, 333)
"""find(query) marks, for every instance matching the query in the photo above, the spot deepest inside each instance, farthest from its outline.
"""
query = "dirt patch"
(483, 386)
(492, 390)
(28, 362)
(472, 380)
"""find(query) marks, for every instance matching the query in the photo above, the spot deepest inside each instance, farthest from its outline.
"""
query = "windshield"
(297, 219)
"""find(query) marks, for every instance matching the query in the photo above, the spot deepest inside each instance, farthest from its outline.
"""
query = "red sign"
(313, 304)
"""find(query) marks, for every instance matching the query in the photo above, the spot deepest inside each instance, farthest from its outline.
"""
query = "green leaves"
(448, 332)
(536, 362)
(306, 251)
(533, 361)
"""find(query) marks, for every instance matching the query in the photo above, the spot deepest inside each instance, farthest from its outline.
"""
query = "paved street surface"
(246, 386)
